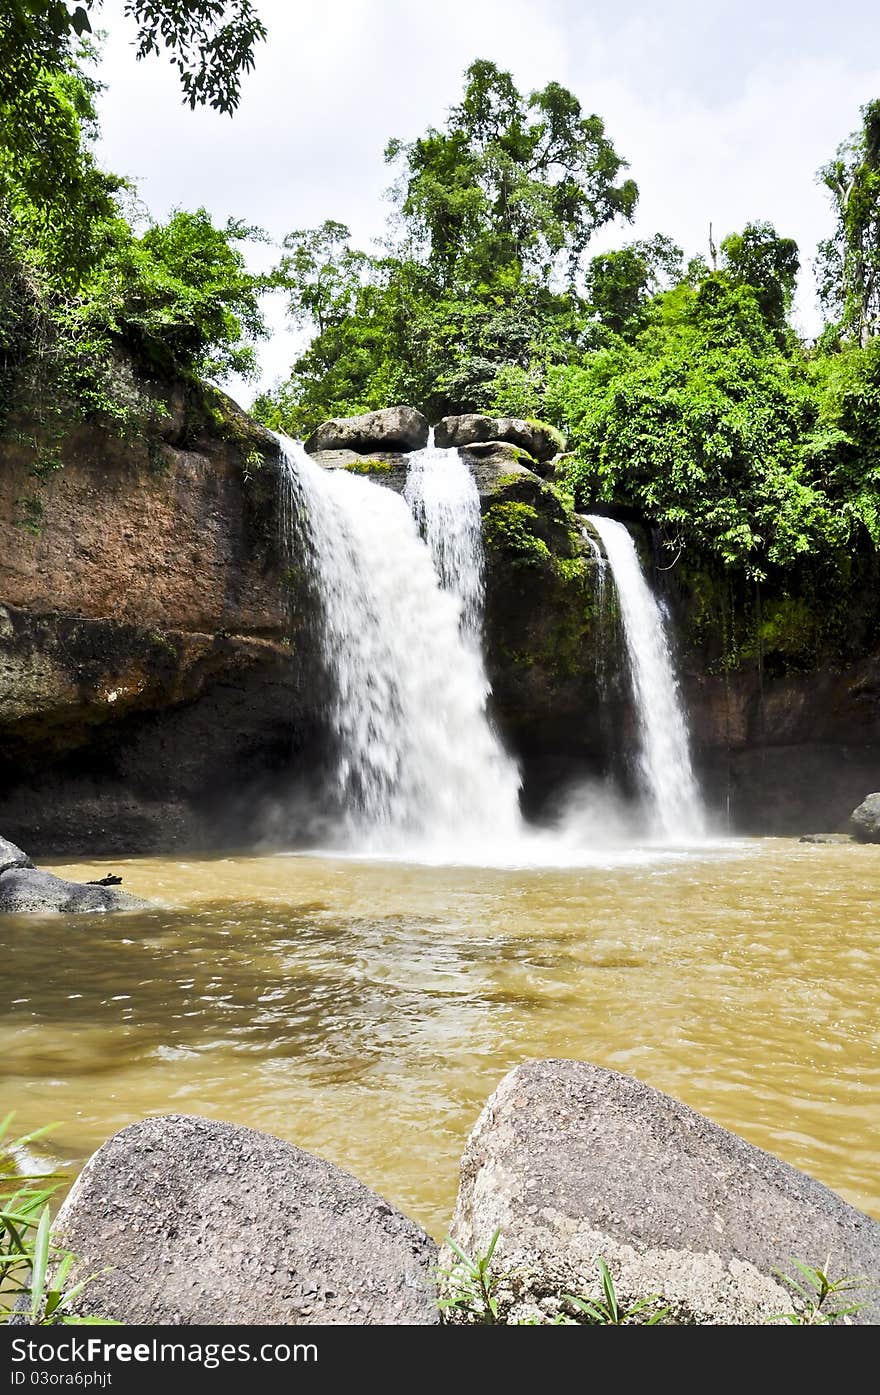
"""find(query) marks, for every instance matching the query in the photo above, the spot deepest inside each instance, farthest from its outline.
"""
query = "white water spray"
(665, 759)
(445, 502)
(417, 762)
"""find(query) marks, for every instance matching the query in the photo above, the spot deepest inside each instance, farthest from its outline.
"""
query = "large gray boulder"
(865, 820)
(202, 1222)
(394, 428)
(540, 440)
(12, 856)
(25, 890)
(571, 1162)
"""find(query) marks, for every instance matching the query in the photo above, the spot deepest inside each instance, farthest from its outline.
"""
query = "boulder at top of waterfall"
(12, 856)
(191, 1221)
(569, 1162)
(394, 428)
(540, 440)
(24, 890)
(865, 820)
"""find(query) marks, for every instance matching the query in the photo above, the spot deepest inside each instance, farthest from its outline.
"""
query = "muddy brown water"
(365, 1010)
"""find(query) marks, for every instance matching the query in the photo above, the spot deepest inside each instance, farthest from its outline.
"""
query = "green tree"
(700, 426)
(465, 312)
(210, 42)
(511, 181)
(849, 261)
(759, 258)
(620, 284)
(47, 114)
(321, 274)
(181, 296)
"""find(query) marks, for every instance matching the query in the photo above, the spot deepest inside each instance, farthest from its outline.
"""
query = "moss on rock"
(369, 467)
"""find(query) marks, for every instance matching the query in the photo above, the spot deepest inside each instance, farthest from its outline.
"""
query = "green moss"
(369, 467)
(572, 569)
(556, 436)
(788, 627)
(509, 528)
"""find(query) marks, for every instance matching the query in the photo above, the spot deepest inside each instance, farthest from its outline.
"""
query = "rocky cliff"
(157, 684)
(146, 665)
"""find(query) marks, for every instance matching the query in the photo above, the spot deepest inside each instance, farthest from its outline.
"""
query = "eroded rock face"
(540, 440)
(571, 1162)
(394, 428)
(865, 820)
(27, 891)
(153, 658)
(204, 1222)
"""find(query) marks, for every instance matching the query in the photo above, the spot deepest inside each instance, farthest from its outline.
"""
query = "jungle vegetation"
(686, 395)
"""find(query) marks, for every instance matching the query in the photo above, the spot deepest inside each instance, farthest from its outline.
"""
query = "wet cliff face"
(147, 671)
(783, 692)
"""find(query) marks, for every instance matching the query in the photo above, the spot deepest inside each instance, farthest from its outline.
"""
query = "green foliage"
(767, 263)
(180, 296)
(849, 261)
(369, 467)
(80, 288)
(620, 285)
(33, 1270)
(464, 312)
(471, 1285)
(818, 1296)
(210, 42)
(512, 181)
(509, 526)
(607, 1310)
(700, 425)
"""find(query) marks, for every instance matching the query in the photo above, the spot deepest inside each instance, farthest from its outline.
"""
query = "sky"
(724, 112)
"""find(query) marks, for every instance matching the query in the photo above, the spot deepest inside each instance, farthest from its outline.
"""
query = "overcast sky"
(723, 110)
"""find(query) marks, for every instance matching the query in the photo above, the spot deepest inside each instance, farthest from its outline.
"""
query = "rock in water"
(205, 1222)
(538, 438)
(571, 1162)
(25, 890)
(11, 856)
(865, 820)
(833, 838)
(394, 428)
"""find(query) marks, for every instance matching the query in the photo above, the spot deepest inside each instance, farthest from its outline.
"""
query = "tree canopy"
(849, 261)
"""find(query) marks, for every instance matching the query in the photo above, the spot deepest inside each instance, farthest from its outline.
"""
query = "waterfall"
(416, 762)
(664, 758)
(445, 502)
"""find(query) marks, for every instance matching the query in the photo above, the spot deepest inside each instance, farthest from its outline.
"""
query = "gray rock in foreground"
(394, 428)
(24, 890)
(12, 856)
(572, 1162)
(204, 1222)
(540, 440)
(865, 820)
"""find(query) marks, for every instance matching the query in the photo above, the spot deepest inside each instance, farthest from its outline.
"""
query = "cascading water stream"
(417, 763)
(665, 759)
(445, 502)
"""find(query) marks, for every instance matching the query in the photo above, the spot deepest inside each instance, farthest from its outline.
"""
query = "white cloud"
(724, 112)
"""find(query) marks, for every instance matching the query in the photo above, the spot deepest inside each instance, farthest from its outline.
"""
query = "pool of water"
(365, 1009)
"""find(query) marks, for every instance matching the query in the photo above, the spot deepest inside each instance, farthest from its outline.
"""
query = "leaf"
(79, 22)
(40, 1264)
(492, 1243)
